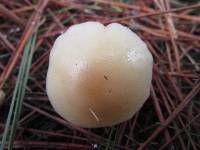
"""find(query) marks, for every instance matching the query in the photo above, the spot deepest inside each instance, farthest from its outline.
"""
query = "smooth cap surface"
(98, 75)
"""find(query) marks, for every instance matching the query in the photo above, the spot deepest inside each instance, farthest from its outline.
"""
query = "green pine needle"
(18, 94)
(109, 143)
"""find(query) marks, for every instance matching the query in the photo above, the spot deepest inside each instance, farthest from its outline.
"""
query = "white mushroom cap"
(98, 75)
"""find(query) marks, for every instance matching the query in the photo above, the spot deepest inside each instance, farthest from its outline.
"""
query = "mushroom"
(98, 75)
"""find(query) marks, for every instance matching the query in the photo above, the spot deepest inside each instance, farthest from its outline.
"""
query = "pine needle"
(109, 143)
(18, 94)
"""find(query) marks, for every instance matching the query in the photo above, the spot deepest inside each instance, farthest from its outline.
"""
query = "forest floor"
(169, 119)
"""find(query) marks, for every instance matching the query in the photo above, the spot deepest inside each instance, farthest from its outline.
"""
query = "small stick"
(94, 114)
